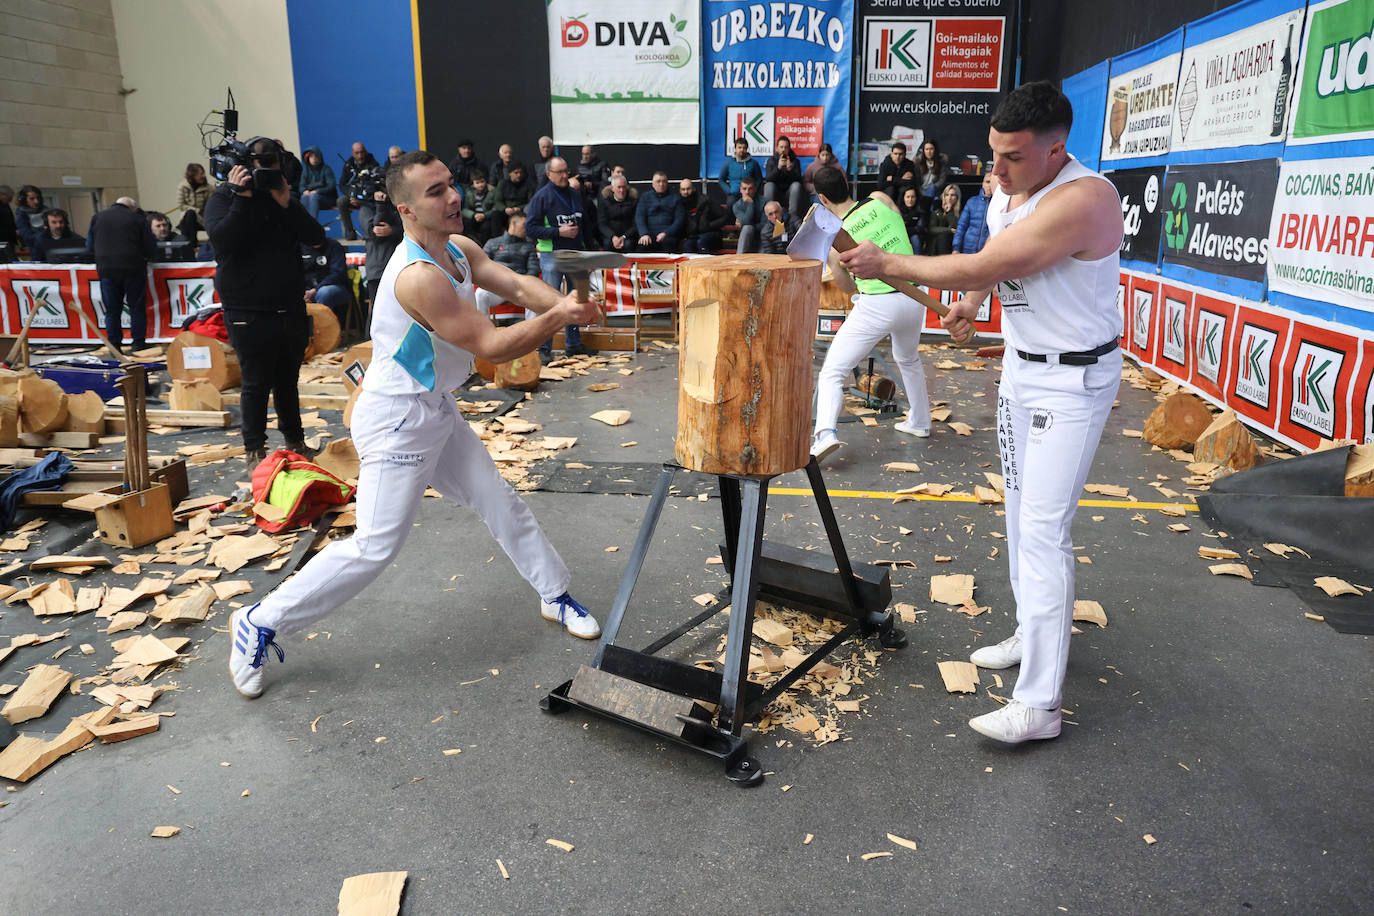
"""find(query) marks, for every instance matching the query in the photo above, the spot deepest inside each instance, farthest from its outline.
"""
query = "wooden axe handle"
(843, 242)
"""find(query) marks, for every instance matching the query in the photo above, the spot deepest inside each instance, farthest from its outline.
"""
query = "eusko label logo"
(1175, 346)
(1211, 339)
(1142, 309)
(754, 124)
(1256, 364)
(1315, 372)
(897, 53)
(46, 297)
(188, 296)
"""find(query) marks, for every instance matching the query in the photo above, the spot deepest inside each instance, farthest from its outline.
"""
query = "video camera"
(231, 151)
(365, 183)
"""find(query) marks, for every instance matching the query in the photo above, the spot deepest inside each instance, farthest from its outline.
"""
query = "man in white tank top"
(406, 426)
(1055, 230)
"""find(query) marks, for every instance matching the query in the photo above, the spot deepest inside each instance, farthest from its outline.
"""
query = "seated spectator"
(326, 273)
(915, 209)
(659, 216)
(28, 216)
(592, 173)
(171, 245)
(824, 156)
(944, 219)
(777, 229)
(8, 234)
(192, 193)
(514, 191)
(932, 169)
(972, 233)
(735, 170)
(56, 234)
(465, 165)
(541, 162)
(393, 153)
(516, 251)
(782, 177)
(616, 215)
(619, 170)
(896, 172)
(318, 186)
(705, 219)
(505, 157)
(748, 212)
(479, 208)
(360, 172)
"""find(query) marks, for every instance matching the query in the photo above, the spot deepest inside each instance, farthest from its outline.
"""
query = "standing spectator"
(257, 234)
(944, 219)
(465, 165)
(28, 216)
(514, 250)
(541, 162)
(555, 222)
(932, 167)
(748, 212)
(326, 277)
(384, 235)
(514, 192)
(782, 177)
(777, 230)
(895, 172)
(393, 153)
(618, 171)
(500, 169)
(479, 208)
(705, 219)
(824, 156)
(318, 190)
(659, 216)
(192, 193)
(359, 173)
(915, 209)
(617, 217)
(8, 234)
(592, 173)
(972, 233)
(123, 245)
(57, 233)
(735, 170)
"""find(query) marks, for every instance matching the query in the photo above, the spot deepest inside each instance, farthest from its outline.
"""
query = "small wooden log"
(748, 329)
(85, 413)
(1178, 421)
(520, 374)
(1227, 442)
(9, 380)
(42, 405)
(209, 358)
(9, 419)
(195, 394)
(327, 332)
(878, 386)
(1359, 471)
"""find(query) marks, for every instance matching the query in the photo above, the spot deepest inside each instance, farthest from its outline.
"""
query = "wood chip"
(1149, 839)
(962, 429)
(163, 833)
(612, 417)
(43, 685)
(501, 865)
(1090, 611)
(566, 847)
(63, 562)
(1283, 550)
(773, 632)
(233, 552)
(875, 855)
(1217, 553)
(902, 841)
(375, 894)
(603, 386)
(960, 677)
(1179, 528)
(1335, 587)
(231, 588)
(954, 589)
(909, 466)
(705, 599)
(1231, 569)
(125, 729)
(1107, 489)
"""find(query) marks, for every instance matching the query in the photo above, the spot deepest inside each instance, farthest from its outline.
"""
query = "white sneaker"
(824, 445)
(1003, 655)
(1017, 722)
(573, 616)
(248, 645)
(905, 427)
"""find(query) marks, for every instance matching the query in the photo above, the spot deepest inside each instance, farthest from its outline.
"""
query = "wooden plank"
(323, 402)
(649, 706)
(60, 439)
(114, 417)
(43, 685)
(377, 894)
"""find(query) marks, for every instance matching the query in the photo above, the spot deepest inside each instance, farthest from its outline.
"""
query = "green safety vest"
(874, 221)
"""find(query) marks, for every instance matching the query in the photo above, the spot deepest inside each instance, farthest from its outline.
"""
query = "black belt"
(1085, 358)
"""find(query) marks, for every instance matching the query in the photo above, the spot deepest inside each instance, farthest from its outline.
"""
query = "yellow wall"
(179, 55)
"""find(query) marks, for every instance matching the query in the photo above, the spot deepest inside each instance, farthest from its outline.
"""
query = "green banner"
(1336, 87)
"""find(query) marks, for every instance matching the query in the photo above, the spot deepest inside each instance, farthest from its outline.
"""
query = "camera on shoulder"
(264, 164)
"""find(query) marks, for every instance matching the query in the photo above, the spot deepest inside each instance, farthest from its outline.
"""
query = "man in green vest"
(878, 311)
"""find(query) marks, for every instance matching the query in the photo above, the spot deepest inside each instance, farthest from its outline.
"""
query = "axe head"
(816, 235)
(571, 261)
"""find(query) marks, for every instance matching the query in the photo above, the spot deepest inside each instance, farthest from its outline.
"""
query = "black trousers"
(120, 288)
(270, 347)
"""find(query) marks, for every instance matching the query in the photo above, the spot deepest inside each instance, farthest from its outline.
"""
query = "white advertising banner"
(1321, 234)
(1236, 88)
(624, 71)
(1140, 107)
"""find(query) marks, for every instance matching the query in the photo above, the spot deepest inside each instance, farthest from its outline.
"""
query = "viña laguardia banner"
(624, 71)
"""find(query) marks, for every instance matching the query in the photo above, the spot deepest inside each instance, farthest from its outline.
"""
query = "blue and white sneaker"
(248, 650)
(574, 617)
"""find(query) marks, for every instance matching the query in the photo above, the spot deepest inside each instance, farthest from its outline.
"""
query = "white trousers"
(1049, 421)
(873, 318)
(405, 444)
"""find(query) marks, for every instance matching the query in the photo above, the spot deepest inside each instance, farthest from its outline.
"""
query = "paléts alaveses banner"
(1216, 216)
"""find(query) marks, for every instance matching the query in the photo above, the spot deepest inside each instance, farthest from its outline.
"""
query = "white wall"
(179, 55)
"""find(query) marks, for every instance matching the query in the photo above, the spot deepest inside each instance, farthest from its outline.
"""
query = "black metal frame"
(784, 575)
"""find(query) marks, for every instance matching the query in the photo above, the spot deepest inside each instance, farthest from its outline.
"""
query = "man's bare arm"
(527, 292)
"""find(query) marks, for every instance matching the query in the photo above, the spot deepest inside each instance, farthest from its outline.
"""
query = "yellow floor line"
(953, 498)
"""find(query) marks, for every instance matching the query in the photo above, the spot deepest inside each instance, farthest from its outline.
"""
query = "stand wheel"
(745, 774)
(892, 638)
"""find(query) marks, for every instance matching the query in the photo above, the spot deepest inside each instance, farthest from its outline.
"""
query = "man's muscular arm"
(529, 292)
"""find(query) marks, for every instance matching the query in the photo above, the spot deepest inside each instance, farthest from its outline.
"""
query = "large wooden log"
(1178, 421)
(327, 332)
(1359, 471)
(42, 405)
(193, 356)
(85, 413)
(521, 373)
(9, 420)
(360, 353)
(744, 398)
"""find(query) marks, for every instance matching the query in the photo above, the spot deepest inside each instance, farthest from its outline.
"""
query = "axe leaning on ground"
(822, 231)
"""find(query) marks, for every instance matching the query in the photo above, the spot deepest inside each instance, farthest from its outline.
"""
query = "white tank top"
(407, 358)
(1067, 308)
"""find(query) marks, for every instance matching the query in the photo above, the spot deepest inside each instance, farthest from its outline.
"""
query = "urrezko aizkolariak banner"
(928, 70)
(775, 69)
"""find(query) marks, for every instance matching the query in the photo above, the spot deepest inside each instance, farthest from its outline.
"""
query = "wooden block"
(356, 359)
(519, 374)
(632, 700)
(1178, 421)
(85, 413)
(1359, 471)
(138, 518)
(952, 589)
(772, 631)
(1091, 611)
(43, 685)
(9, 419)
(194, 394)
(62, 562)
(959, 677)
(26, 757)
(114, 418)
(377, 894)
(42, 405)
(1227, 442)
(326, 331)
(122, 730)
(194, 356)
(61, 439)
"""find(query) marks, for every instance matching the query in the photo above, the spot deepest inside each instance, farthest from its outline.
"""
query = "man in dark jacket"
(514, 250)
(479, 209)
(782, 177)
(617, 219)
(514, 192)
(465, 166)
(56, 234)
(777, 230)
(123, 245)
(361, 176)
(660, 217)
(556, 224)
(327, 277)
(257, 234)
(384, 236)
(705, 219)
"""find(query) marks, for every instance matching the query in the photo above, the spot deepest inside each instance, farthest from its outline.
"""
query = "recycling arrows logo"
(1176, 219)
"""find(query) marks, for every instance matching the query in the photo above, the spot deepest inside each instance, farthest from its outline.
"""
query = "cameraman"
(257, 230)
(359, 180)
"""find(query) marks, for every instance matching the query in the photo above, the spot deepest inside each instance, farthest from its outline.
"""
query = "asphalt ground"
(1209, 714)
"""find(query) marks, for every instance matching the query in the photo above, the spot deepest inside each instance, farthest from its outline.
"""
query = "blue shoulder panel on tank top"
(416, 352)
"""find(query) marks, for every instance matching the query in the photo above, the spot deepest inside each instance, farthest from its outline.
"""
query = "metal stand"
(660, 695)
(884, 407)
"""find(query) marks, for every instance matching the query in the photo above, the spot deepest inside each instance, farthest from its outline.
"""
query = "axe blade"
(816, 235)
